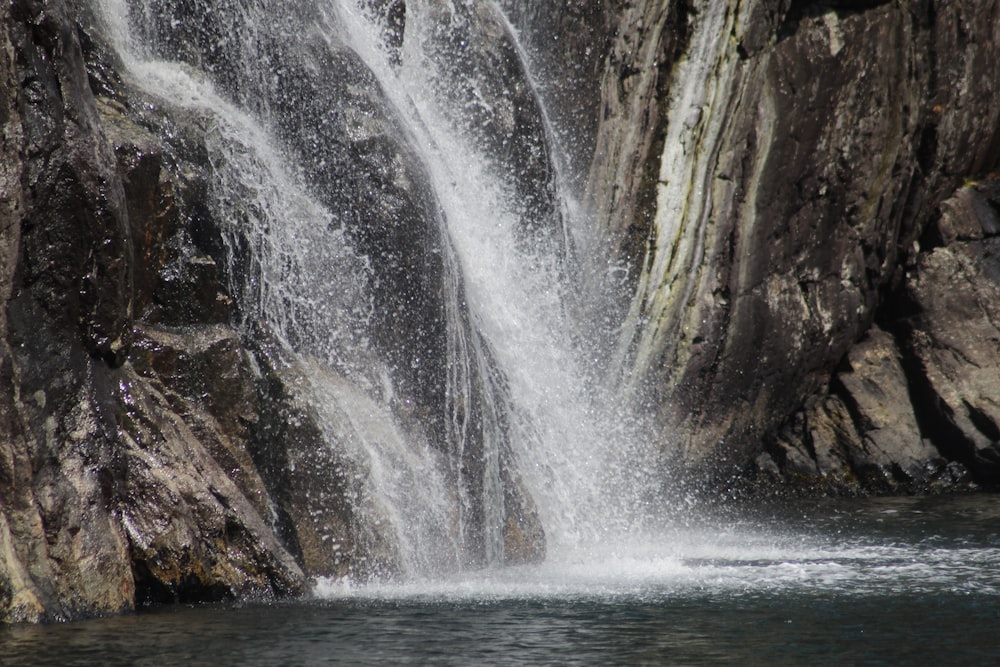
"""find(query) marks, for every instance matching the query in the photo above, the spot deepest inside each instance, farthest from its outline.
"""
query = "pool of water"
(889, 581)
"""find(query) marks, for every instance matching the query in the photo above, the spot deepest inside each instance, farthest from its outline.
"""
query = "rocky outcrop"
(119, 482)
(806, 147)
(952, 336)
(863, 437)
(913, 410)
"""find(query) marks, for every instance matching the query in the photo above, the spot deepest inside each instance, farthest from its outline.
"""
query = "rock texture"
(914, 410)
(124, 476)
(806, 148)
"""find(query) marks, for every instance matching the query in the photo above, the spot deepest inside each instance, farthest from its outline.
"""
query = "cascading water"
(392, 217)
(513, 258)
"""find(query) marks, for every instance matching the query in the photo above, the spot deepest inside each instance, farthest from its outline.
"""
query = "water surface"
(893, 581)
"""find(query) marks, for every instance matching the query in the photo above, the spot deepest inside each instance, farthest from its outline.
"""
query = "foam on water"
(722, 561)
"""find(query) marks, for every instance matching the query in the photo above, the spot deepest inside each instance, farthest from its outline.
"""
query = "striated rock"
(806, 147)
(193, 532)
(646, 42)
(209, 380)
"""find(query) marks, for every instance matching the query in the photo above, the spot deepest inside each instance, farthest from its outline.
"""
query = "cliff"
(798, 205)
(786, 193)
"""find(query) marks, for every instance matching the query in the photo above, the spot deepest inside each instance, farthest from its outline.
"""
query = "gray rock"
(877, 390)
(920, 408)
(117, 487)
(865, 436)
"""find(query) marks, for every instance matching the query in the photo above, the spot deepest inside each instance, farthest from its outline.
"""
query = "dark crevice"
(151, 589)
(930, 237)
(839, 390)
(807, 9)
(927, 148)
(933, 416)
(982, 421)
(895, 315)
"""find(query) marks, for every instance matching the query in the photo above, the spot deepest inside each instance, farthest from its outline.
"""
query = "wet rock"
(314, 486)
(567, 44)
(478, 69)
(209, 380)
(193, 533)
(339, 129)
(65, 293)
(523, 534)
(116, 487)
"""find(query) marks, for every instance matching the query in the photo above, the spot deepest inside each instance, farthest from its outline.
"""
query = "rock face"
(914, 410)
(798, 153)
(119, 483)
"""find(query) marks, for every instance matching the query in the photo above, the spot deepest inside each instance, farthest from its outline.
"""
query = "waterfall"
(392, 214)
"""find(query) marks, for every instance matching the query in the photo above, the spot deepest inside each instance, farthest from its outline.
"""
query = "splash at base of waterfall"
(830, 547)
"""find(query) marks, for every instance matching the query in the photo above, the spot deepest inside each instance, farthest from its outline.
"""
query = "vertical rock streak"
(700, 89)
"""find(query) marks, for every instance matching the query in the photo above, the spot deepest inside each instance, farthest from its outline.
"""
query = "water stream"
(393, 212)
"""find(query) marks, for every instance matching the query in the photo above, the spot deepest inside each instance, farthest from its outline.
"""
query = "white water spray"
(570, 443)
